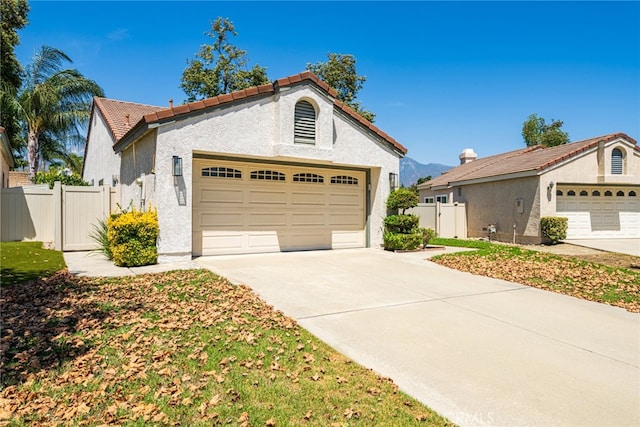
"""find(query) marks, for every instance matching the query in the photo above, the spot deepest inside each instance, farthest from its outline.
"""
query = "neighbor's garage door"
(243, 207)
(605, 212)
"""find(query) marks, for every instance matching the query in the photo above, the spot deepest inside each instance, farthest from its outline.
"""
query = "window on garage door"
(221, 172)
(267, 175)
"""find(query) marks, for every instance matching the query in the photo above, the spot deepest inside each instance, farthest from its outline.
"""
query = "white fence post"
(57, 216)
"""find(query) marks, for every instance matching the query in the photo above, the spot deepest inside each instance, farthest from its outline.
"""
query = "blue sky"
(441, 76)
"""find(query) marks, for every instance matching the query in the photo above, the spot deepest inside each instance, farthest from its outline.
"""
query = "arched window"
(558, 192)
(584, 193)
(632, 193)
(304, 131)
(595, 193)
(616, 162)
(608, 193)
(620, 193)
(571, 193)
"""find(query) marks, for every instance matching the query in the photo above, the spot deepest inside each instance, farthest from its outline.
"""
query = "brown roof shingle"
(527, 159)
(115, 111)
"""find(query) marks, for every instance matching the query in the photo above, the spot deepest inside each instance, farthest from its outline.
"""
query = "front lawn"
(24, 261)
(180, 348)
(563, 274)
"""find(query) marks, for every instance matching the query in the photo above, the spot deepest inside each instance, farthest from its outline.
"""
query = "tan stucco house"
(6, 158)
(595, 183)
(278, 167)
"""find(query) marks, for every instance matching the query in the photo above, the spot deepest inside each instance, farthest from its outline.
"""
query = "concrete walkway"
(477, 350)
(89, 263)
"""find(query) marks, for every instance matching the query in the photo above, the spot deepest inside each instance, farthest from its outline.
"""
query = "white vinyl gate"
(64, 216)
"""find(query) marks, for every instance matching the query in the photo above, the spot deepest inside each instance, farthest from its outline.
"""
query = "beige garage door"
(241, 207)
(600, 212)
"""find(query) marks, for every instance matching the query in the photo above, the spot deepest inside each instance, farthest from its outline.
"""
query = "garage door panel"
(268, 197)
(347, 239)
(220, 219)
(274, 213)
(307, 198)
(345, 199)
(344, 220)
(309, 239)
(308, 219)
(220, 195)
(267, 219)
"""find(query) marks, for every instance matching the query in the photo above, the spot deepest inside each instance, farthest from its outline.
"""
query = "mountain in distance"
(411, 170)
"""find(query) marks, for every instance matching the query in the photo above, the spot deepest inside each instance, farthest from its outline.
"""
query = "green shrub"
(403, 199)
(554, 228)
(132, 238)
(57, 175)
(404, 224)
(99, 236)
(405, 242)
(427, 234)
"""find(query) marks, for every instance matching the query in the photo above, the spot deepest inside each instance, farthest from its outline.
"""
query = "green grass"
(563, 274)
(184, 348)
(24, 261)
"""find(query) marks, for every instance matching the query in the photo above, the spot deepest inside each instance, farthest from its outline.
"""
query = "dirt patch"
(611, 259)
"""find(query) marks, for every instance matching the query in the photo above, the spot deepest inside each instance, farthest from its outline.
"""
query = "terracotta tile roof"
(140, 115)
(116, 112)
(529, 159)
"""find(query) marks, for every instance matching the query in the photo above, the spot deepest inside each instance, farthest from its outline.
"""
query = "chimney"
(126, 120)
(467, 156)
(171, 103)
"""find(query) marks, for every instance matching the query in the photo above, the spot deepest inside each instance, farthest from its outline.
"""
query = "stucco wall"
(5, 172)
(100, 161)
(495, 203)
(138, 161)
(263, 129)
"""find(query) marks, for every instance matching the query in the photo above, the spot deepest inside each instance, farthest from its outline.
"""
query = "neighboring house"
(6, 157)
(278, 167)
(594, 183)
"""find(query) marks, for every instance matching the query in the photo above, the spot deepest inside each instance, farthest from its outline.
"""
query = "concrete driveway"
(621, 246)
(479, 351)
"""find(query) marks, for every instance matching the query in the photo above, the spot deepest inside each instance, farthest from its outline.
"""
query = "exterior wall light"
(393, 180)
(177, 166)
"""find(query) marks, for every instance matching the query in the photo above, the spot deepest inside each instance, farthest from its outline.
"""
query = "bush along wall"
(132, 238)
(554, 228)
(402, 231)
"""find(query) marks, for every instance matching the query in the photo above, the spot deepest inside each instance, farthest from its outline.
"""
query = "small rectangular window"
(308, 177)
(441, 199)
(429, 199)
(221, 172)
(344, 179)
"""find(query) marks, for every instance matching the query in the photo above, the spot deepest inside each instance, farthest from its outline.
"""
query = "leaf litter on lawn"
(178, 348)
(563, 274)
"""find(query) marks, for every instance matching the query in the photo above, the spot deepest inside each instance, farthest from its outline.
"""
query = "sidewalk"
(96, 264)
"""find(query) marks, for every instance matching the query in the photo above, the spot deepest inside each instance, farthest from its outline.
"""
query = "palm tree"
(52, 103)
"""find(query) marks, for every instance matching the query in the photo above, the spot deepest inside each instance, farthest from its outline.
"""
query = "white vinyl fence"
(449, 220)
(65, 216)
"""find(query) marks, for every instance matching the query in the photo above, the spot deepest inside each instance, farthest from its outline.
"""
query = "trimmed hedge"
(403, 224)
(132, 238)
(403, 242)
(554, 228)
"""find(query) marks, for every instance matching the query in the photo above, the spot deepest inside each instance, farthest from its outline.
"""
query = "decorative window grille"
(221, 172)
(267, 175)
(308, 177)
(344, 179)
